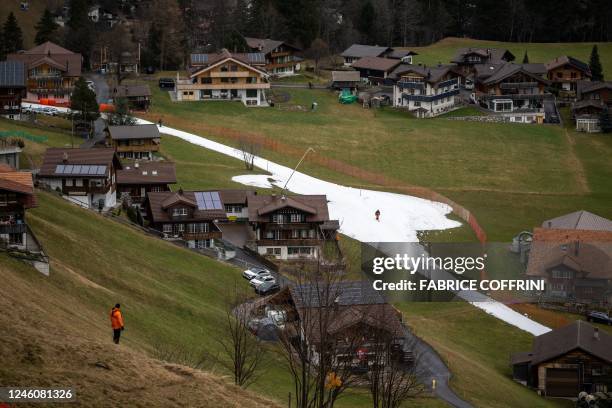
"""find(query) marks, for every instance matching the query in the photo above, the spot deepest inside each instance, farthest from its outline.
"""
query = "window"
(278, 218)
(180, 227)
(198, 227)
(251, 93)
(78, 182)
(157, 189)
(168, 228)
(251, 80)
(225, 80)
(295, 233)
(177, 212)
(203, 243)
(297, 218)
(561, 274)
(273, 251)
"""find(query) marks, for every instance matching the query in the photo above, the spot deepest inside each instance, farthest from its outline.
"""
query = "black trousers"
(116, 335)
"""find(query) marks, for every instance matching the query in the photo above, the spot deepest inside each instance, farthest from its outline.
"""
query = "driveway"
(102, 95)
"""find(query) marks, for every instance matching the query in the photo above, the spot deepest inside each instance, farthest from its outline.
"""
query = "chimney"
(596, 333)
(180, 191)
(65, 157)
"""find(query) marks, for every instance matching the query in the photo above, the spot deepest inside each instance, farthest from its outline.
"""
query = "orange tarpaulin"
(106, 107)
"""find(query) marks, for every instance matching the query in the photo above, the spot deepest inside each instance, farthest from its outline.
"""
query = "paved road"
(102, 94)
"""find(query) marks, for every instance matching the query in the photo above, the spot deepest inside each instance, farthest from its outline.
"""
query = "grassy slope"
(444, 50)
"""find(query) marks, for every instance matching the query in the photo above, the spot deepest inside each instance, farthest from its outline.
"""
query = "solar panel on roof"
(199, 58)
(255, 57)
(208, 200)
(80, 169)
(59, 169)
(76, 169)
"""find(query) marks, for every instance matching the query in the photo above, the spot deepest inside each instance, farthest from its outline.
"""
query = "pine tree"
(525, 58)
(80, 33)
(13, 37)
(83, 101)
(45, 28)
(595, 64)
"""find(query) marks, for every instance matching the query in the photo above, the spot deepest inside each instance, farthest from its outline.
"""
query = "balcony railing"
(13, 229)
(516, 96)
(518, 85)
(430, 98)
(411, 85)
(289, 242)
(448, 82)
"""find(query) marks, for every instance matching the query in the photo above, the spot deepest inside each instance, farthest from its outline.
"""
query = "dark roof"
(376, 63)
(589, 103)
(430, 74)
(399, 54)
(579, 220)
(508, 69)
(315, 206)
(266, 45)
(585, 87)
(57, 56)
(12, 74)
(235, 196)
(567, 60)
(251, 58)
(18, 182)
(127, 91)
(348, 293)
(55, 156)
(147, 172)
(134, 132)
(360, 51)
(345, 76)
(491, 55)
(577, 335)
(158, 202)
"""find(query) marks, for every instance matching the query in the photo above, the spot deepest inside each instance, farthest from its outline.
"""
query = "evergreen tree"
(2, 51)
(525, 58)
(366, 21)
(13, 37)
(595, 64)
(83, 101)
(605, 121)
(45, 28)
(80, 34)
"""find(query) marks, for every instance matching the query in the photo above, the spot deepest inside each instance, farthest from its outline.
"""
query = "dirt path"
(575, 163)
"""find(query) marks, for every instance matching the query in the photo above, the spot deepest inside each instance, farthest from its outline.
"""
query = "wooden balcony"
(12, 229)
(290, 242)
(188, 236)
(228, 86)
(138, 148)
(230, 74)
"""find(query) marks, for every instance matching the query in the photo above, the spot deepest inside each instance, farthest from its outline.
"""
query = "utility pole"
(310, 149)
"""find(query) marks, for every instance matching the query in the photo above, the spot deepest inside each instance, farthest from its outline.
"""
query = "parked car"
(267, 288)
(599, 317)
(258, 280)
(255, 272)
(49, 111)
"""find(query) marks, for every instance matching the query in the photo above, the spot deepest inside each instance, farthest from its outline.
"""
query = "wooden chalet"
(137, 96)
(425, 91)
(225, 76)
(593, 99)
(564, 72)
(138, 179)
(281, 58)
(134, 142)
(357, 51)
(566, 361)
(515, 89)
(375, 69)
(188, 215)
(84, 176)
(52, 72)
(16, 196)
(467, 59)
(290, 227)
(573, 254)
(12, 88)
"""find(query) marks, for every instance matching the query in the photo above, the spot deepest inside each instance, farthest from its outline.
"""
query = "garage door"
(562, 382)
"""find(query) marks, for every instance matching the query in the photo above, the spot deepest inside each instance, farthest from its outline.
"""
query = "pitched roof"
(376, 63)
(134, 132)
(492, 55)
(235, 196)
(589, 103)
(508, 69)
(266, 45)
(585, 87)
(580, 220)
(203, 62)
(567, 60)
(127, 91)
(347, 293)
(147, 172)
(12, 74)
(577, 335)
(314, 205)
(430, 74)
(345, 76)
(360, 51)
(398, 54)
(55, 55)
(55, 156)
(18, 182)
(158, 202)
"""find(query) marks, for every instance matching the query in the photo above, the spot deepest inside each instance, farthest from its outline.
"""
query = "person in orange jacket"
(116, 322)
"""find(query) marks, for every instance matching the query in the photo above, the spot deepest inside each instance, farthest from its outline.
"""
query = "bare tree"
(244, 350)
(318, 50)
(249, 150)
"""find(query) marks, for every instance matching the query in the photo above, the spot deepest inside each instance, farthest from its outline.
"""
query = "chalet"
(106, 60)
(593, 99)
(350, 318)
(290, 227)
(138, 179)
(425, 91)
(467, 59)
(281, 57)
(10, 149)
(567, 361)
(188, 215)
(137, 96)
(134, 142)
(236, 204)
(83, 176)
(518, 90)
(227, 77)
(16, 196)
(51, 72)
(564, 72)
(358, 51)
(12, 88)
(345, 80)
(573, 254)
(375, 69)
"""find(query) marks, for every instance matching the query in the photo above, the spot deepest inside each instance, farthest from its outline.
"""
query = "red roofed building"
(16, 196)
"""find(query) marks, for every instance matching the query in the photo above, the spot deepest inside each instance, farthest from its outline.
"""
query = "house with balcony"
(564, 72)
(594, 98)
(357, 51)
(467, 59)
(10, 149)
(281, 58)
(12, 88)
(514, 90)
(87, 177)
(290, 227)
(225, 76)
(137, 142)
(51, 72)
(16, 196)
(191, 216)
(138, 96)
(425, 91)
(135, 180)
(375, 70)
